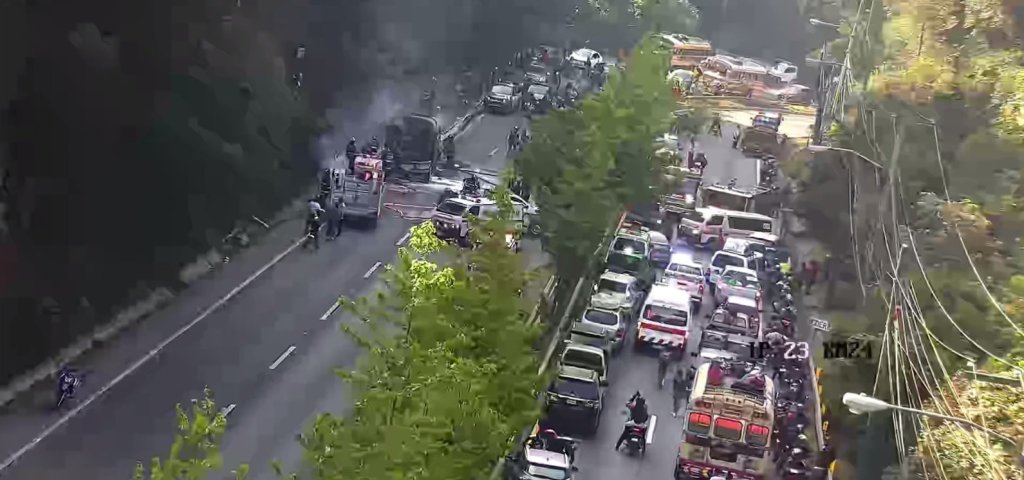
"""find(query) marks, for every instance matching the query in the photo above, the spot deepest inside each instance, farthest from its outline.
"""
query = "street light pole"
(859, 403)
(825, 148)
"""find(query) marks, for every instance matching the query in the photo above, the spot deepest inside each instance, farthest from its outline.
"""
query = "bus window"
(727, 429)
(699, 423)
(757, 435)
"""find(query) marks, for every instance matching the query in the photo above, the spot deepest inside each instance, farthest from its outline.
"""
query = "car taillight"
(700, 289)
(621, 332)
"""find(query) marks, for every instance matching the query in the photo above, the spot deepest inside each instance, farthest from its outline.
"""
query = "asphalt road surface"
(632, 371)
(268, 352)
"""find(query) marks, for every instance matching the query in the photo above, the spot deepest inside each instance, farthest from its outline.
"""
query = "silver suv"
(611, 322)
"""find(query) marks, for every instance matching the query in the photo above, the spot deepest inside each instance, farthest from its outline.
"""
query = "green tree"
(589, 163)
(195, 453)
(450, 374)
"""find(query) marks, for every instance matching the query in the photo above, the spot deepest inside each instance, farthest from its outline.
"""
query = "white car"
(738, 282)
(687, 274)
(617, 291)
(723, 259)
(579, 58)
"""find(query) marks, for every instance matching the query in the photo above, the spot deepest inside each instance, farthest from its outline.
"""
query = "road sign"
(820, 324)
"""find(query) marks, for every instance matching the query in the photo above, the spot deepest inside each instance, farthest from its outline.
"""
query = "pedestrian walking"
(813, 268)
(679, 390)
(334, 217)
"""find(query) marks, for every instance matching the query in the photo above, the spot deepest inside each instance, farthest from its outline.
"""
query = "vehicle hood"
(609, 300)
(538, 96)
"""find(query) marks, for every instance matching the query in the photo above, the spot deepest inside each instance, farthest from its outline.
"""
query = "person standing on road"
(334, 216)
(679, 390)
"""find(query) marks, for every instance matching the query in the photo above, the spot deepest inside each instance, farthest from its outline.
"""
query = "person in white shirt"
(314, 207)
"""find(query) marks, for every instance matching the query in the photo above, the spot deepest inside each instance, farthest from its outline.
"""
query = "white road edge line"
(371, 270)
(228, 409)
(145, 358)
(650, 429)
(330, 311)
(282, 358)
(493, 152)
(403, 239)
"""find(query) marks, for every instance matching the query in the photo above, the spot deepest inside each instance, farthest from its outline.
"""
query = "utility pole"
(844, 72)
(821, 88)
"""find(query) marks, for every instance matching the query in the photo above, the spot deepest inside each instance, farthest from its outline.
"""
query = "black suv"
(576, 394)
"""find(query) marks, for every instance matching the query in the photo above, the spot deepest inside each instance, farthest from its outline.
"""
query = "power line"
(956, 227)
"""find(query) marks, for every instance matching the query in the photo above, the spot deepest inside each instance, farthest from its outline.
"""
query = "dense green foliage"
(450, 373)
(605, 158)
(940, 80)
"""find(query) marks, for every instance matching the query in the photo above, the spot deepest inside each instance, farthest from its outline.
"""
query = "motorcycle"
(636, 442)
(66, 387)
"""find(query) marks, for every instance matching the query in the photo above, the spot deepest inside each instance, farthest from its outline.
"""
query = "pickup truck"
(362, 199)
(688, 275)
(738, 282)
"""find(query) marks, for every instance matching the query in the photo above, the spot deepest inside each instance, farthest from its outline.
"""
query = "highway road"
(268, 352)
(632, 371)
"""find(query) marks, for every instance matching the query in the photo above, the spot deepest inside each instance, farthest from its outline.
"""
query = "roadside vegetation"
(449, 378)
(942, 85)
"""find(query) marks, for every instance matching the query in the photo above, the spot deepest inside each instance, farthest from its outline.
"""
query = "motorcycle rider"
(67, 381)
(638, 417)
(716, 126)
(554, 443)
(700, 161)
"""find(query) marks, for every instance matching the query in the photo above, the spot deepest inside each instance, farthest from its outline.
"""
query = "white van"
(720, 225)
(665, 318)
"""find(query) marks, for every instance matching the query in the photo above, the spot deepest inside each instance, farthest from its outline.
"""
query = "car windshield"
(690, 186)
(547, 472)
(627, 263)
(711, 340)
(575, 388)
(751, 224)
(601, 317)
(665, 315)
(502, 90)
(537, 70)
(725, 260)
(684, 269)
(608, 285)
(693, 216)
(451, 208)
(748, 310)
(582, 359)
(629, 246)
(734, 278)
(538, 90)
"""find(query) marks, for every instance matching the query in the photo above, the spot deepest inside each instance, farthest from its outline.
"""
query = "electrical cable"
(975, 447)
(942, 308)
(967, 254)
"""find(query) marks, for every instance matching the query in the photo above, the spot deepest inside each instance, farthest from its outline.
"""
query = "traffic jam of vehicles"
(723, 328)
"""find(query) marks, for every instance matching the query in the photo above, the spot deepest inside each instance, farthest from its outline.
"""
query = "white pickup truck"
(738, 282)
(687, 274)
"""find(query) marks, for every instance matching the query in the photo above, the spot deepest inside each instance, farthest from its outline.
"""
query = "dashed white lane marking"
(650, 429)
(493, 152)
(228, 409)
(371, 270)
(330, 311)
(282, 358)
(145, 358)
(403, 239)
